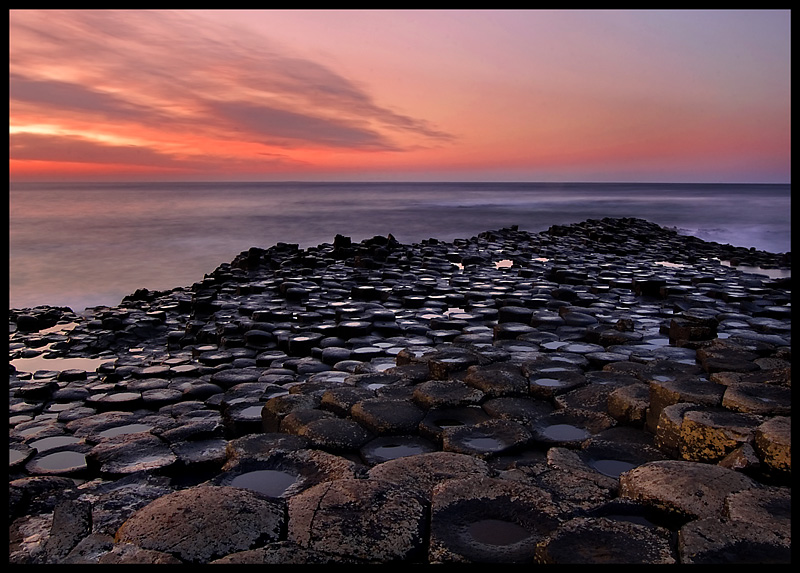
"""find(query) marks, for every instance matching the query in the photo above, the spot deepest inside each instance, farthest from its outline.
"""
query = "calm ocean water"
(82, 245)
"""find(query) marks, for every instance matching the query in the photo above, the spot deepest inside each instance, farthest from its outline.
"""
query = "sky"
(409, 95)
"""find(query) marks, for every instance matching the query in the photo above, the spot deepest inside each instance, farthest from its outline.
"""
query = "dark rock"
(72, 521)
(488, 520)
(600, 540)
(364, 519)
(719, 541)
(383, 416)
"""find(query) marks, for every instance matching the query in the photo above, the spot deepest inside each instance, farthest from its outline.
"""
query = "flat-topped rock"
(613, 367)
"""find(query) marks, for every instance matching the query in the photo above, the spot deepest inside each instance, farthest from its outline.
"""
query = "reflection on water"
(497, 532)
(81, 245)
(771, 273)
(62, 461)
(57, 364)
(273, 483)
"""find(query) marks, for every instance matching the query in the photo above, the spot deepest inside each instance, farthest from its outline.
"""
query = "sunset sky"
(685, 96)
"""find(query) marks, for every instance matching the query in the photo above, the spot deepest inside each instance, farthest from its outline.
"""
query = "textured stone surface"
(719, 541)
(265, 372)
(487, 520)
(598, 541)
(690, 489)
(364, 519)
(204, 523)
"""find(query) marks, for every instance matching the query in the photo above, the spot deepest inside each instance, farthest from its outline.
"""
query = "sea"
(90, 244)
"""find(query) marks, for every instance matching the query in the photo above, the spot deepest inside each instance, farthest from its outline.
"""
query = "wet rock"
(629, 404)
(197, 455)
(498, 379)
(447, 360)
(64, 461)
(290, 342)
(446, 393)
(129, 453)
(28, 323)
(363, 519)
(203, 523)
(486, 439)
(276, 409)
(522, 409)
(341, 400)
(387, 448)
(437, 420)
(233, 376)
(335, 434)
(488, 520)
(261, 446)
(383, 416)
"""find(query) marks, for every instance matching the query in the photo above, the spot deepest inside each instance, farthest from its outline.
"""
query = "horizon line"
(370, 181)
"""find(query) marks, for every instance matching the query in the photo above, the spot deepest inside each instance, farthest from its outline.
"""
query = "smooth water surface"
(82, 245)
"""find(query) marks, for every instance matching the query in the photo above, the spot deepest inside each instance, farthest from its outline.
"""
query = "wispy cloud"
(183, 77)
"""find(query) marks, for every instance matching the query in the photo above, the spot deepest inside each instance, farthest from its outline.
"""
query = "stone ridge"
(603, 392)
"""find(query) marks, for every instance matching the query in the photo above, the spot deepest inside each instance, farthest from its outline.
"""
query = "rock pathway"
(604, 392)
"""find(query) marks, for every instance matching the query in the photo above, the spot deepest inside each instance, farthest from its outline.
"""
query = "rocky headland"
(603, 392)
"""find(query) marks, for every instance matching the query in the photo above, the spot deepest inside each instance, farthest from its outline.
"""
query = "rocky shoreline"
(604, 392)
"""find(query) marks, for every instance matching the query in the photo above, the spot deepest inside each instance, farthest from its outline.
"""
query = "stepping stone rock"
(629, 404)
(422, 472)
(335, 434)
(446, 393)
(203, 523)
(233, 376)
(383, 416)
(276, 409)
(437, 420)
(722, 542)
(763, 399)
(130, 453)
(605, 541)
(769, 507)
(498, 379)
(668, 430)
(284, 553)
(387, 448)
(486, 439)
(691, 490)
(488, 520)
(369, 519)
(773, 442)
(709, 435)
(445, 361)
(684, 389)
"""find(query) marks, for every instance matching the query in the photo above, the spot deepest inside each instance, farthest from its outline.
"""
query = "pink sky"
(694, 96)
